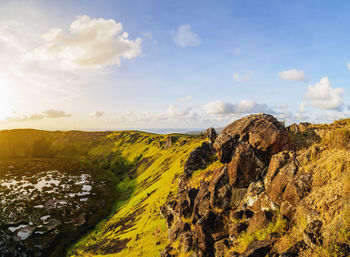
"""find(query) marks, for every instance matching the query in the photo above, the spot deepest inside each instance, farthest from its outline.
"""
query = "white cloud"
(243, 78)
(97, 114)
(90, 44)
(50, 114)
(302, 107)
(323, 96)
(174, 115)
(289, 117)
(243, 107)
(348, 65)
(185, 37)
(297, 75)
(53, 114)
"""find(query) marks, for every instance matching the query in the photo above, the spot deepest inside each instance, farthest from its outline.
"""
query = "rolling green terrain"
(146, 169)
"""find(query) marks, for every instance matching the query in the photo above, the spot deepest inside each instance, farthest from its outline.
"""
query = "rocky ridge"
(254, 198)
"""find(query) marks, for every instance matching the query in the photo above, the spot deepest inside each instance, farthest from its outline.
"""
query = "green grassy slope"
(136, 228)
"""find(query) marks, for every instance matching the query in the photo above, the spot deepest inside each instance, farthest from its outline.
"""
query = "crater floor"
(45, 204)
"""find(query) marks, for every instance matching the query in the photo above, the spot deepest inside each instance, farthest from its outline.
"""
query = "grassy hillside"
(136, 227)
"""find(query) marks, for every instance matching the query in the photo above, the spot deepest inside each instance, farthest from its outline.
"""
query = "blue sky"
(188, 64)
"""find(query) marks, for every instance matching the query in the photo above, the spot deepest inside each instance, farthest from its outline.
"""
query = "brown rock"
(198, 158)
(263, 132)
(244, 167)
(287, 210)
(201, 203)
(167, 252)
(221, 247)
(220, 190)
(203, 241)
(211, 135)
(257, 249)
(186, 240)
(185, 202)
(259, 220)
(176, 229)
(236, 229)
(278, 176)
(256, 199)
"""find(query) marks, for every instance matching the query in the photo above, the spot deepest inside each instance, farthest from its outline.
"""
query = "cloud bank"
(89, 44)
(243, 107)
(50, 114)
(297, 75)
(323, 96)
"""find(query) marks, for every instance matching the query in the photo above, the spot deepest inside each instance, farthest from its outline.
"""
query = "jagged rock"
(203, 241)
(244, 167)
(241, 214)
(263, 132)
(287, 210)
(256, 198)
(220, 229)
(186, 240)
(294, 250)
(301, 127)
(185, 202)
(201, 203)
(236, 229)
(166, 252)
(176, 229)
(259, 220)
(198, 159)
(312, 233)
(257, 249)
(220, 190)
(304, 126)
(167, 211)
(211, 135)
(221, 247)
(279, 173)
(298, 188)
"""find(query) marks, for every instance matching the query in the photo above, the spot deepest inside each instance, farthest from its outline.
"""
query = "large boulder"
(264, 133)
(245, 167)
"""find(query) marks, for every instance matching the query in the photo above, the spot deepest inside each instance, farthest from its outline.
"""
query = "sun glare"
(6, 98)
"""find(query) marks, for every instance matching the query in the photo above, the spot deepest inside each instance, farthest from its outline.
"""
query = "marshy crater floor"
(47, 203)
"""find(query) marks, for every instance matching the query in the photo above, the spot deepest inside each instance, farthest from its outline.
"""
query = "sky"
(166, 64)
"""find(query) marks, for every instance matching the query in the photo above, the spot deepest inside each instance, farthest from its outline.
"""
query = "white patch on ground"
(13, 229)
(86, 187)
(44, 218)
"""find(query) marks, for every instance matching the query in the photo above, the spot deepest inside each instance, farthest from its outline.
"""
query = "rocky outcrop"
(211, 135)
(257, 176)
(264, 134)
(259, 186)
